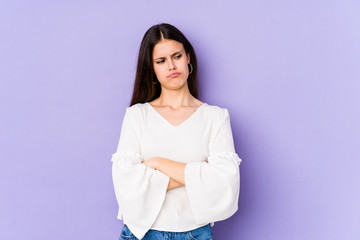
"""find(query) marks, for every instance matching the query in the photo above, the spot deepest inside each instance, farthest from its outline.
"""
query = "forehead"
(166, 47)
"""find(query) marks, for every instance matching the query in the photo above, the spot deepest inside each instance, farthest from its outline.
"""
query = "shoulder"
(137, 112)
(137, 108)
(134, 115)
(217, 112)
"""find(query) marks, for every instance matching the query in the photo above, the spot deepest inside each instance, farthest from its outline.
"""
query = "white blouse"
(204, 141)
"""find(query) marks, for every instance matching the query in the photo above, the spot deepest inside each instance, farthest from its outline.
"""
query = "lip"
(174, 75)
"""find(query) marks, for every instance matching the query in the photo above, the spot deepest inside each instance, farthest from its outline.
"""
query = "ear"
(188, 57)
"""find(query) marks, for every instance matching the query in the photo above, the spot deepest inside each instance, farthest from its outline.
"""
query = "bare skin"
(175, 103)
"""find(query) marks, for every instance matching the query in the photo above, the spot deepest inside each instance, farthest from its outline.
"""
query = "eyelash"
(177, 57)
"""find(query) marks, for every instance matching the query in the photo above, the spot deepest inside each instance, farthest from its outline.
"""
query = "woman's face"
(170, 63)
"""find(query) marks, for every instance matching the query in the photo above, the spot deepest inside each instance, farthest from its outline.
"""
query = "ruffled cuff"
(125, 159)
(221, 156)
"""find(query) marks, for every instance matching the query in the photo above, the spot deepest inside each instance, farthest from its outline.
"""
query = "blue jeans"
(201, 233)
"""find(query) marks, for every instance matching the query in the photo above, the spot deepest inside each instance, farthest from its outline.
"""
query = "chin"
(176, 85)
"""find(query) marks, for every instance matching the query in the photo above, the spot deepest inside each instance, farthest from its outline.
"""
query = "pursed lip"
(173, 75)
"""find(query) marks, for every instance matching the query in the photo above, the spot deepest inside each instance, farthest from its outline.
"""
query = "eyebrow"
(171, 55)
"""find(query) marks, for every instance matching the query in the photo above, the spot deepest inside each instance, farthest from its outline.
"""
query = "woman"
(175, 171)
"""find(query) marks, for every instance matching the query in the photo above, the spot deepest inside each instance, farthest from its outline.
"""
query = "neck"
(175, 98)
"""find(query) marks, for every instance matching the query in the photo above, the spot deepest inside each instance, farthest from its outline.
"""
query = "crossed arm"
(175, 170)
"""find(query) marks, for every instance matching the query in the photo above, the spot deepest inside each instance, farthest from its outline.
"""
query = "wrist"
(157, 163)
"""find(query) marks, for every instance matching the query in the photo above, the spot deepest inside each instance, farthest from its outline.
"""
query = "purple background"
(288, 71)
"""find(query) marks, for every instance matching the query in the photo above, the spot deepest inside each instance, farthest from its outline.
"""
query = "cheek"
(159, 72)
(159, 69)
(185, 63)
(156, 69)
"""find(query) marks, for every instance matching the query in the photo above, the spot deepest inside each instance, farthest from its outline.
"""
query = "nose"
(171, 65)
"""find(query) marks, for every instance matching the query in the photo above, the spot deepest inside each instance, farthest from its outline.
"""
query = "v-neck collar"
(183, 122)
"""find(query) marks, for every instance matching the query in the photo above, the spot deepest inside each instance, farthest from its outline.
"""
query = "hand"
(151, 162)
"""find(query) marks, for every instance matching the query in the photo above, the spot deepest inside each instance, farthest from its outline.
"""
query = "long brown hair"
(144, 89)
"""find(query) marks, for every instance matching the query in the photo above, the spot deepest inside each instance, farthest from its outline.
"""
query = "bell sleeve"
(213, 187)
(140, 190)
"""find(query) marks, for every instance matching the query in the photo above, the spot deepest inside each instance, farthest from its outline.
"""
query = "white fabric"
(204, 142)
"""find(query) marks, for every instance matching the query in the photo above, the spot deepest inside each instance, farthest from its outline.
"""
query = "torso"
(183, 140)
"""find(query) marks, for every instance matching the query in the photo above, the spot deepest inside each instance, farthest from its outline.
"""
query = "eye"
(158, 62)
(178, 56)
